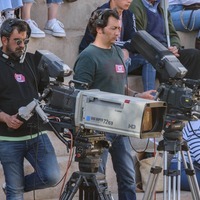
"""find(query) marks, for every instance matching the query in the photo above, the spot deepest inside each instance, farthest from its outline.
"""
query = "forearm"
(4, 117)
(145, 95)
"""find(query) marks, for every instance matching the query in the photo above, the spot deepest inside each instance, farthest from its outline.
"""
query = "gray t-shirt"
(102, 69)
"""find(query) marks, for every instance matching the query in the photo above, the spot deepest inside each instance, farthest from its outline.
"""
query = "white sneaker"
(10, 14)
(56, 29)
(35, 31)
(2, 19)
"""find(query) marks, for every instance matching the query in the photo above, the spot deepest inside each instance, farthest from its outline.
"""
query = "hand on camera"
(146, 95)
(174, 50)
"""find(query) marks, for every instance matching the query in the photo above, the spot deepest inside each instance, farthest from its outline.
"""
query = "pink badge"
(119, 68)
(20, 78)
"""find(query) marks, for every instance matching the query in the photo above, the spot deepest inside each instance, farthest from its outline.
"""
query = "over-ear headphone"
(7, 27)
(100, 20)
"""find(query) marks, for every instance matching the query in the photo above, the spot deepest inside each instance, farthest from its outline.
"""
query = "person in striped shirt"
(191, 134)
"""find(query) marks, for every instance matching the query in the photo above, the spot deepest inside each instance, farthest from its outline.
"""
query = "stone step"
(65, 48)
(74, 16)
(188, 38)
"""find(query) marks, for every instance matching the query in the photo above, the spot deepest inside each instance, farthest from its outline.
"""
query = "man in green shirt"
(101, 65)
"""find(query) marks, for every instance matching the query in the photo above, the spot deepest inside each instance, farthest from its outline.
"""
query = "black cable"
(137, 150)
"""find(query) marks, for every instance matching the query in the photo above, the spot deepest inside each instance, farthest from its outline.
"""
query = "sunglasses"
(19, 41)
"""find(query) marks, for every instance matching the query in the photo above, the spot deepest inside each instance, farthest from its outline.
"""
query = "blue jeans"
(148, 71)
(40, 154)
(180, 18)
(123, 165)
(184, 179)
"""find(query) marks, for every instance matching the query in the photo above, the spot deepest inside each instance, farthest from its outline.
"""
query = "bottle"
(197, 41)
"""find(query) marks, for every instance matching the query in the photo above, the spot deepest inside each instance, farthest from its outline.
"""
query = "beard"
(16, 54)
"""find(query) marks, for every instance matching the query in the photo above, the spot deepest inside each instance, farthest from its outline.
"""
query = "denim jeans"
(123, 165)
(180, 18)
(40, 154)
(148, 71)
(13, 4)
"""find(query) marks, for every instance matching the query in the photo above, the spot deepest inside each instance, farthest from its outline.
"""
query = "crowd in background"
(185, 16)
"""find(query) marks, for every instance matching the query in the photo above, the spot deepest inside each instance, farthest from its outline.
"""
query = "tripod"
(91, 184)
(171, 144)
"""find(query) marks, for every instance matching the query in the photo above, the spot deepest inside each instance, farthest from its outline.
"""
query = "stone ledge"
(65, 48)
(187, 39)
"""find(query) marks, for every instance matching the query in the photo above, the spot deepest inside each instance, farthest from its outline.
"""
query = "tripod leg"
(152, 180)
(165, 177)
(194, 187)
(179, 176)
(169, 176)
(71, 187)
(174, 176)
(102, 189)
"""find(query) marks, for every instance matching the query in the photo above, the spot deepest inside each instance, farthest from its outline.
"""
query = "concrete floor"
(158, 196)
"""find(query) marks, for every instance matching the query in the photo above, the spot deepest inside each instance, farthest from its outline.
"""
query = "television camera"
(182, 98)
(88, 114)
(180, 94)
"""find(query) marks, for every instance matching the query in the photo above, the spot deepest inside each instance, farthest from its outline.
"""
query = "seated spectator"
(53, 26)
(184, 20)
(191, 134)
(150, 17)
(7, 9)
(26, 15)
(128, 29)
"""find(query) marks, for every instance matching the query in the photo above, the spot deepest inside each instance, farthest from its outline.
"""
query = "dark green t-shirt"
(102, 69)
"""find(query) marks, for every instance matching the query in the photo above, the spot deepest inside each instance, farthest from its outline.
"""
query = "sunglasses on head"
(19, 41)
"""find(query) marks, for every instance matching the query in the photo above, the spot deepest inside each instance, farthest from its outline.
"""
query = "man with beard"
(128, 27)
(20, 84)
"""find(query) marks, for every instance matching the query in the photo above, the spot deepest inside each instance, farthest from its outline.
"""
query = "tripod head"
(89, 148)
(173, 129)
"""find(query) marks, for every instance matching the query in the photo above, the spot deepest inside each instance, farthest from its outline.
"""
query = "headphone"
(7, 27)
(100, 20)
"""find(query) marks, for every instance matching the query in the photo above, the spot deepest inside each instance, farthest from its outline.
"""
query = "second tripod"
(172, 144)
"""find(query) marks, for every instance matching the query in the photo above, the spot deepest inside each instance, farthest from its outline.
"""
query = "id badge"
(119, 69)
